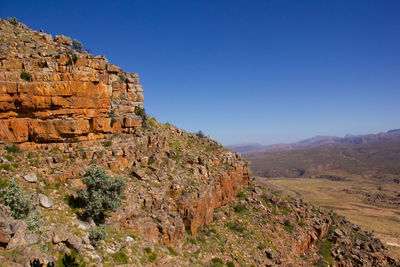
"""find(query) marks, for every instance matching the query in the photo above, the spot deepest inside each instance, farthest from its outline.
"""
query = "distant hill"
(377, 157)
(318, 141)
(244, 147)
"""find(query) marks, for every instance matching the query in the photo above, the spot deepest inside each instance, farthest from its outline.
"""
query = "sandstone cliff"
(51, 93)
(187, 200)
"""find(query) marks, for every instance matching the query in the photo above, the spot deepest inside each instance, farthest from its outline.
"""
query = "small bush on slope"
(13, 21)
(76, 45)
(102, 193)
(13, 197)
(96, 235)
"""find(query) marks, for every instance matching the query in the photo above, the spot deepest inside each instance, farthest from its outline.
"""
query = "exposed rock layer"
(50, 93)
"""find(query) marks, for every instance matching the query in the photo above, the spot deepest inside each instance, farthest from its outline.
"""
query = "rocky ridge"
(52, 93)
(187, 200)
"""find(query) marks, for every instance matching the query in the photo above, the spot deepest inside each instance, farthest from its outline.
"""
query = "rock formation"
(187, 200)
(50, 93)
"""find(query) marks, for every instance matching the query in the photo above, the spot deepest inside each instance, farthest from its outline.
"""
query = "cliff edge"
(86, 177)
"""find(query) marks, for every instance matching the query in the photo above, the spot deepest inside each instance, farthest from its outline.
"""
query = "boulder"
(339, 233)
(6, 225)
(45, 201)
(62, 39)
(18, 239)
(62, 235)
(32, 178)
(139, 173)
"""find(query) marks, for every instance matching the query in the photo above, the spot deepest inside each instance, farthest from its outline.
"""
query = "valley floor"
(365, 202)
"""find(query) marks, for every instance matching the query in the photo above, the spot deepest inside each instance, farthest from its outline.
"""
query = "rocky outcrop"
(185, 195)
(51, 93)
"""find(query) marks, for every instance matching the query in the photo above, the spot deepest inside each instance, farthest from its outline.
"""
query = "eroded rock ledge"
(51, 93)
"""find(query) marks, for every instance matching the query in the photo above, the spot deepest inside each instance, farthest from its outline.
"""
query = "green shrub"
(172, 251)
(230, 264)
(120, 257)
(69, 260)
(325, 251)
(102, 193)
(200, 134)
(76, 45)
(13, 149)
(13, 21)
(25, 75)
(217, 262)
(286, 210)
(97, 234)
(3, 183)
(151, 255)
(107, 143)
(150, 161)
(34, 223)
(301, 223)
(13, 197)
(239, 208)
(9, 157)
(5, 166)
(240, 194)
(261, 246)
(74, 58)
(113, 121)
(235, 226)
(288, 226)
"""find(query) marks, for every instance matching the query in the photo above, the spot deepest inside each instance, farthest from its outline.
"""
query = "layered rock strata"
(52, 93)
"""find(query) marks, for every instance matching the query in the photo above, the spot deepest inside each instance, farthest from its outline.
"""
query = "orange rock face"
(198, 209)
(50, 93)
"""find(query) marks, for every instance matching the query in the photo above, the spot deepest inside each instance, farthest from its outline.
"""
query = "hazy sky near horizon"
(245, 71)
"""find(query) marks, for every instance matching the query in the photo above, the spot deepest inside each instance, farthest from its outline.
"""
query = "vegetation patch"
(102, 193)
(152, 256)
(120, 257)
(76, 45)
(97, 234)
(107, 143)
(26, 76)
(301, 223)
(288, 226)
(172, 251)
(13, 149)
(241, 194)
(235, 226)
(6, 166)
(325, 247)
(217, 262)
(13, 20)
(239, 208)
(14, 197)
(69, 260)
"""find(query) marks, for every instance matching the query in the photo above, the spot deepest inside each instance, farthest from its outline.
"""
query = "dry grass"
(383, 219)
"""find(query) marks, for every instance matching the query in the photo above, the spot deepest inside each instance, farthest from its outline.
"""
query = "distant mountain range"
(317, 141)
(375, 155)
(245, 147)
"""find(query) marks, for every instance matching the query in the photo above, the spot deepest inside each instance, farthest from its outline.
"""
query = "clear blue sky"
(245, 71)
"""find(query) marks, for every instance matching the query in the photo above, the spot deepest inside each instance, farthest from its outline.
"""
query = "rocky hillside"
(87, 178)
(51, 93)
